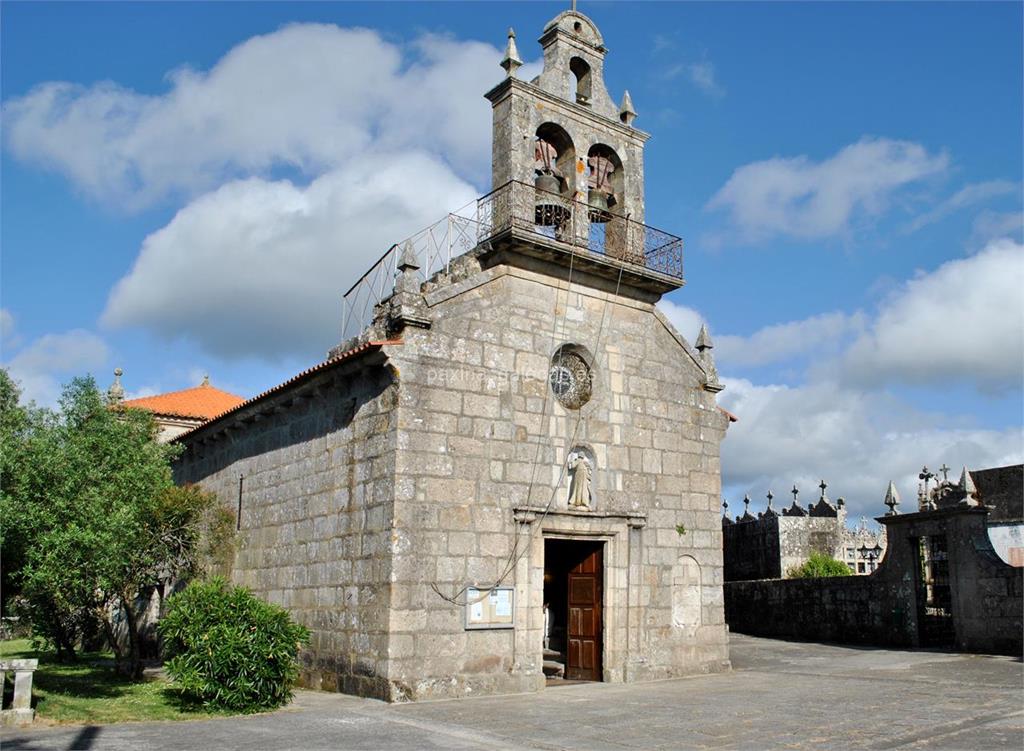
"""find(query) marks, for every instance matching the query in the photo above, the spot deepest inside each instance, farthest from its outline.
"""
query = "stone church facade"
(512, 472)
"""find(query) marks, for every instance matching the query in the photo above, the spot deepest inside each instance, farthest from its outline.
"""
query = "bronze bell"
(549, 208)
(599, 205)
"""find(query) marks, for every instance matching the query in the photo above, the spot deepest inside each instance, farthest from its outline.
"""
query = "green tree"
(818, 566)
(93, 515)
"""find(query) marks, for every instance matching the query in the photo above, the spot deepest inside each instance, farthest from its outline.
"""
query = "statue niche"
(581, 474)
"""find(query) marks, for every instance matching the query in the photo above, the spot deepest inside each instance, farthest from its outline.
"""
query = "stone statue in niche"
(581, 470)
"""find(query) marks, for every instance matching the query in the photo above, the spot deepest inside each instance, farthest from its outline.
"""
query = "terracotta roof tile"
(202, 402)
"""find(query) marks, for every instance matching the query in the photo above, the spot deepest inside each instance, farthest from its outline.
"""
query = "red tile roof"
(201, 403)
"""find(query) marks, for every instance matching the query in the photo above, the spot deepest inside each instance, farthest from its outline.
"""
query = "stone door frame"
(621, 535)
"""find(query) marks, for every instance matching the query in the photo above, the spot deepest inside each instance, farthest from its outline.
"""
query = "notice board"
(490, 608)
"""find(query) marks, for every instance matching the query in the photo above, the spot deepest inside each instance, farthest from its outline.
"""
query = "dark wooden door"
(583, 661)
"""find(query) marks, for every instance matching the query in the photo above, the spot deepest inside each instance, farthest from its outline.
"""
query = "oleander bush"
(228, 649)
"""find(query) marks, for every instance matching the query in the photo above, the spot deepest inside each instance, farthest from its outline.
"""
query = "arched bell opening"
(581, 72)
(554, 166)
(605, 182)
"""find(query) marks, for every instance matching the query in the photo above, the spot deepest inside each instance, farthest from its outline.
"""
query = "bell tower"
(561, 144)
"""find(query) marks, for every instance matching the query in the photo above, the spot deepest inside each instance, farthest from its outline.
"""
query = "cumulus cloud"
(820, 334)
(969, 195)
(857, 441)
(809, 200)
(309, 97)
(686, 321)
(257, 267)
(962, 322)
(39, 366)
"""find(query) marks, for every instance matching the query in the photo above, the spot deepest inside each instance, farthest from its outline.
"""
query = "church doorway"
(573, 591)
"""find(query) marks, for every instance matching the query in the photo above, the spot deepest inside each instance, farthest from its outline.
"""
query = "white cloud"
(38, 366)
(686, 321)
(855, 440)
(6, 325)
(703, 76)
(962, 322)
(256, 268)
(820, 334)
(993, 225)
(814, 200)
(969, 195)
(308, 97)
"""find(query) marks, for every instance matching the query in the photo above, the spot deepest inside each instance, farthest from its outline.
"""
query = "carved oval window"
(570, 378)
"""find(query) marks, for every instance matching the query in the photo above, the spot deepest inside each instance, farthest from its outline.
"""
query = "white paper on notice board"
(492, 608)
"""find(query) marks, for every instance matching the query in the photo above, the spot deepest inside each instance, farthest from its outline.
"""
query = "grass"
(91, 691)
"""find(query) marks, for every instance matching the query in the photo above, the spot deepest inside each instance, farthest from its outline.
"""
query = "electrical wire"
(515, 556)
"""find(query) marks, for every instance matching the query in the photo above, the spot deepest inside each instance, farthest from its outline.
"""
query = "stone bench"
(20, 711)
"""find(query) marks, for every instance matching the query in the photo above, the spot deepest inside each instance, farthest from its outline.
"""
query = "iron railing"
(525, 208)
(521, 207)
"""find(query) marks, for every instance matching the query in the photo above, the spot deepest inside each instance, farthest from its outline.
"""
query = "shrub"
(229, 649)
(818, 566)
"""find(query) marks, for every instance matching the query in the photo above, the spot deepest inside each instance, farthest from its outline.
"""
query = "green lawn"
(91, 691)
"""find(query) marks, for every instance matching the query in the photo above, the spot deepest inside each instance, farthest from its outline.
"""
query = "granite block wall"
(886, 608)
(315, 515)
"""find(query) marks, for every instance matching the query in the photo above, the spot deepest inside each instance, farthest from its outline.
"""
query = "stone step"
(554, 654)
(555, 669)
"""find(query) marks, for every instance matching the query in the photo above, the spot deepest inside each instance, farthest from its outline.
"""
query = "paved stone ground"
(782, 695)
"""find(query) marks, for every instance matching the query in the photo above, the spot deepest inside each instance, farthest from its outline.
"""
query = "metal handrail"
(512, 205)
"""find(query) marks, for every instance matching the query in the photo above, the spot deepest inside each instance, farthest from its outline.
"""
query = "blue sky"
(177, 183)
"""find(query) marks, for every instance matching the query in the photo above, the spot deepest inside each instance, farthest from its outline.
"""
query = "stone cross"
(770, 496)
(945, 472)
(823, 486)
(795, 491)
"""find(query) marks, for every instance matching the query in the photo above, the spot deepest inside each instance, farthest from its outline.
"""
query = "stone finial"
(115, 394)
(408, 260)
(769, 497)
(511, 62)
(823, 507)
(967, 489)
(795, 509)
(746, 510)
(892, 499)
(626, 112)
(703, 339)
(704, 347)
(206, 380)
(407, 304)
